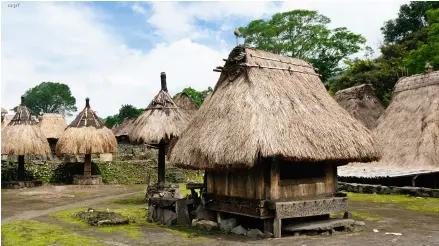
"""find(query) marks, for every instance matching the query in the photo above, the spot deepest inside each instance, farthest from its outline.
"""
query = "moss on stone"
(35, 233)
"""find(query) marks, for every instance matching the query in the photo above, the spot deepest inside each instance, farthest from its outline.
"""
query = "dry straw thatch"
(124, 128)
(361, 102)
(266, 105)
(4, 111)
(409, 128)
(22, 136)
(6, 120)
(52, 125)
(186, 105)
(161, 121)
(87, 134)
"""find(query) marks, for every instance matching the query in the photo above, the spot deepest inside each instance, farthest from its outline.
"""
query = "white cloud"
(363, 17)
(67, 43)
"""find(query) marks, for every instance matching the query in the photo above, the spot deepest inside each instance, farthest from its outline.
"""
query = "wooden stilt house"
(270, 139)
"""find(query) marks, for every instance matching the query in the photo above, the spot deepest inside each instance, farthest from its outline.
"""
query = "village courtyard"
(43, 216)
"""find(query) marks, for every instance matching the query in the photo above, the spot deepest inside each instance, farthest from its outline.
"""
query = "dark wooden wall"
(263, 182)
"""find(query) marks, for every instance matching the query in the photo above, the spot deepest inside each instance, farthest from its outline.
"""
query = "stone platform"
(320, 226)
(93, 180)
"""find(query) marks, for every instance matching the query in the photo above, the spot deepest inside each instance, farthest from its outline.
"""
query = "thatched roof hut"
(161, 121)
(22, 136)
(87, 134)
(266, 105)
(4, 111)
(124, 129)
(52, 125)
(408, 130)
(361, 103)
(186, 105)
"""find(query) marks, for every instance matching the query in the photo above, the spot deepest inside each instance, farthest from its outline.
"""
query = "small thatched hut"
(361, 102)
(270, 137)
(86, 135)
(4, 111)
(187, 105)
(159, 124)
(409, 134)
(52, 126)
(23, 137)
(123, 130)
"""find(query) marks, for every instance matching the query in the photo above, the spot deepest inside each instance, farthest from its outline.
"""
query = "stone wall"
(388, 190)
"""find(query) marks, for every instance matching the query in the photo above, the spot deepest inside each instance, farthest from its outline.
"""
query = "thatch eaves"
(361, 103)
(52, 125)
(87, 134)
(22, 136)
(6, 120)
(266, 105)
(409, 128)
(161, 121)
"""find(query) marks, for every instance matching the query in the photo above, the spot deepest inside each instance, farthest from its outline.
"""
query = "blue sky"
(113, 52)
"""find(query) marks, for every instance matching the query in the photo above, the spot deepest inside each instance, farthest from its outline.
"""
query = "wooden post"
(268, 225)
(20, 168)
(277, 228)
(161, 163)
(87, 166)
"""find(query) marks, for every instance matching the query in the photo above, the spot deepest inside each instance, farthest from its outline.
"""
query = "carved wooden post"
(87, 166)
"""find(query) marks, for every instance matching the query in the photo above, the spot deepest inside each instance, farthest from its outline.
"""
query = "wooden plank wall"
(247, 183)
(305, 188)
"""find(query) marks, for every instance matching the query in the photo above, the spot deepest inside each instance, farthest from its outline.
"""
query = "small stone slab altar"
(322, 225)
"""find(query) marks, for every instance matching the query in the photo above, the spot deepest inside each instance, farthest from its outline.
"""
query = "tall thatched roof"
(409, 128)
(266, 105)
(161, 121)
(4, 111)
(361, 102)
(52, 125)
(6, 120)
(22, 136)
(124, 128)
(186, 105)
(87, 134)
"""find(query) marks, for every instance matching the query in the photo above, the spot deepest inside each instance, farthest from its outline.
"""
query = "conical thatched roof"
(124, 128)
(409, 128)
(266, 105)
(186, 105)
(161, 121)
(22, 136)
(4, 111)
(87, 134)
(361, 102)
(52, 125)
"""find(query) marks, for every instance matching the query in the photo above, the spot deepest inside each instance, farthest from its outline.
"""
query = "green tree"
(126, 111)
(412, 17)
(427, 51)
(50, 97)
(304, 34)
(196, 96)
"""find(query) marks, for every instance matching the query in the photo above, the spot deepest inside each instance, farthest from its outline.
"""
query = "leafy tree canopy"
(304, 34)
(50, 97)
(126, 111)
(196, 96)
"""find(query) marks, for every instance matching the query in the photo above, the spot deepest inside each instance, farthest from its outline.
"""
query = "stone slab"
(295, 209)
(322, 225)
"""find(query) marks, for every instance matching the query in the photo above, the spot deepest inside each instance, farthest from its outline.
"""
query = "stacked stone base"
(82, 180)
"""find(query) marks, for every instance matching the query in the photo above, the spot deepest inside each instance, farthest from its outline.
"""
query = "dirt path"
(26, 215)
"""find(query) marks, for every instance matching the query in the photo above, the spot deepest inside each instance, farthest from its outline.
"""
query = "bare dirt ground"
(417, 228)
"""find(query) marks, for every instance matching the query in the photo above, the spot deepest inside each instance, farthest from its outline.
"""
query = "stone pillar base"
(93, 180)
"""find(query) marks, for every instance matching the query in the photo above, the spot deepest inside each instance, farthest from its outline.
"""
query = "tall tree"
(304, 34)
(50, 97)
(412, 17)
(196, 96)
(427, 51)
(126, 111)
